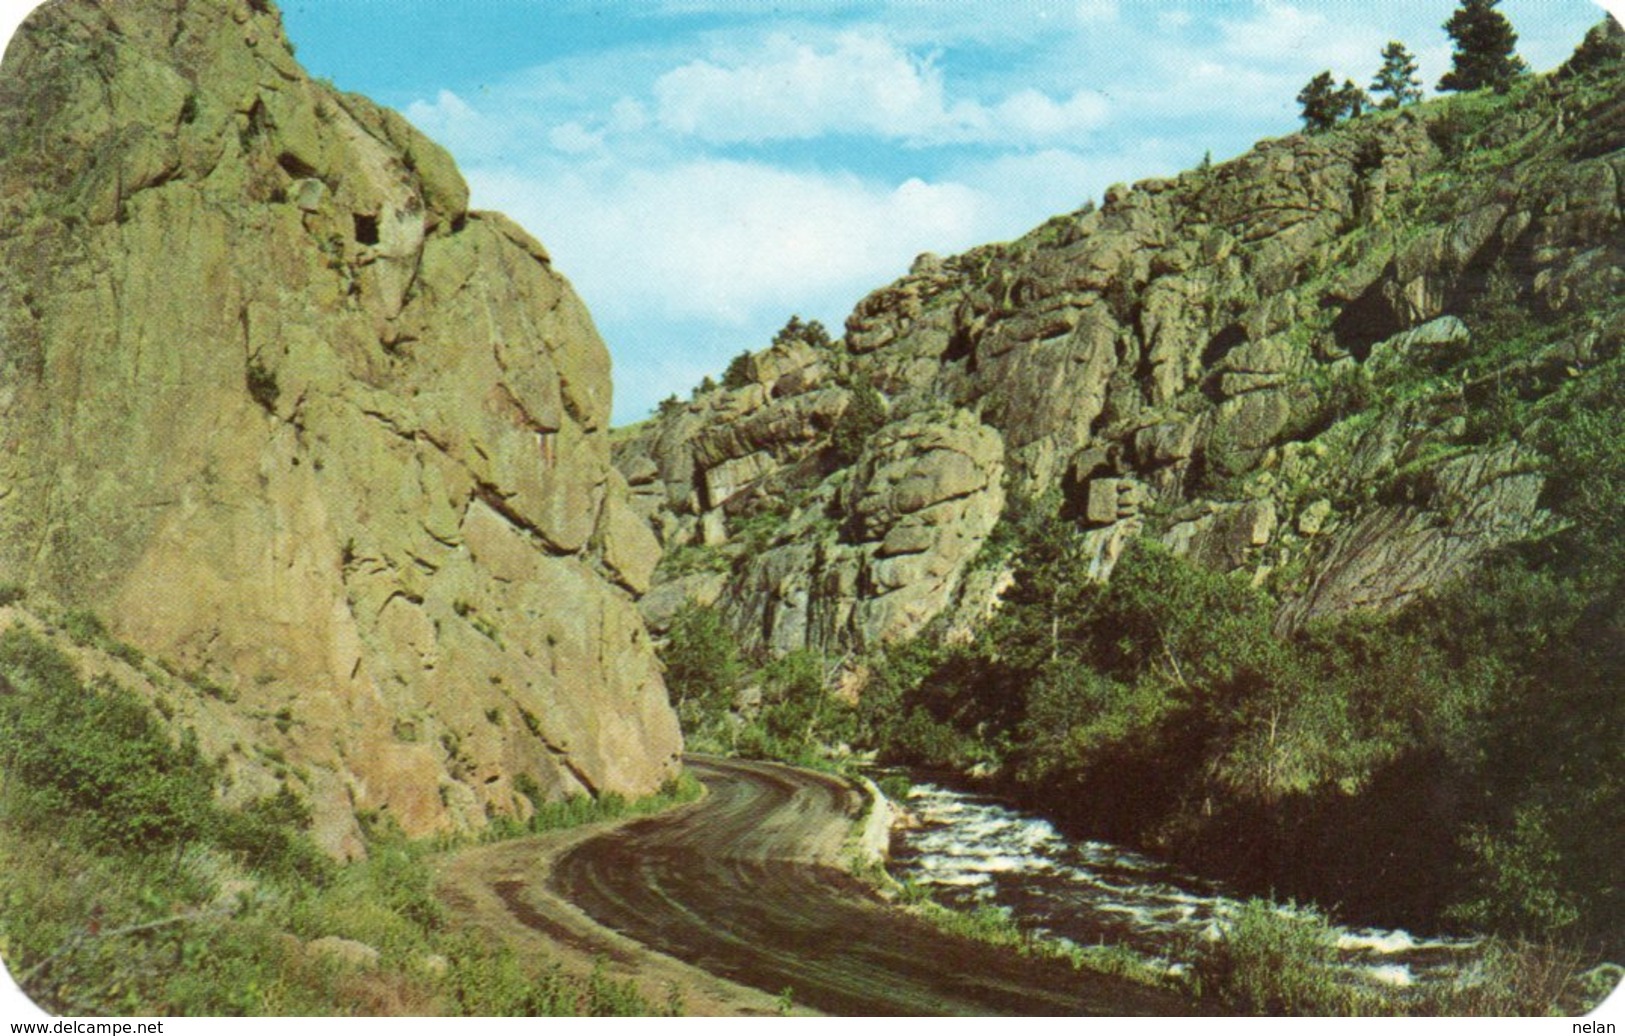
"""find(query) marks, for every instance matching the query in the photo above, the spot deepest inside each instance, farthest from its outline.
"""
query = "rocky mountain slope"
(328, 449)
(1298, 364)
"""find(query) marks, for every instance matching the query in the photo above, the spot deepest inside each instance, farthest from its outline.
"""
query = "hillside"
(323, 452)
(1259, 515)
(1282, 364)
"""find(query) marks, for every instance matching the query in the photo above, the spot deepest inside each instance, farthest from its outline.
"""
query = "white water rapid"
(972, 849)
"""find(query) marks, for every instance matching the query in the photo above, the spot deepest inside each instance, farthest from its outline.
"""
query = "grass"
(691, 558)
(579, 810)
(995, 926)
(1272, 961)
(1283, 962)
(223, 917)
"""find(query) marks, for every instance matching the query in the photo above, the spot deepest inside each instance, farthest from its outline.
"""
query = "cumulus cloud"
(685, 265)
(654, 170)
(862, 84)
(732, 241)
(1283, 35)
(449, 119)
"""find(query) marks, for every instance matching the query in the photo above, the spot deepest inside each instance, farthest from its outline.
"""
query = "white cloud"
(731, 241)
(628, 116)
(626, 161)
(1095, 11)
(1275, 30)
(572, 138)
(1173, 20)
(446, 118)
(1030, 115)
(791, 90)
(1281, 34)
(685, 265)
(1019, 191)
(862, 84)
(470, 134)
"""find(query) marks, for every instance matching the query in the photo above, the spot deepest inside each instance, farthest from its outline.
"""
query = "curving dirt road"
(745, 886)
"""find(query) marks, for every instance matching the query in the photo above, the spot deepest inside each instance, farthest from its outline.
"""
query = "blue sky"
(702, 169)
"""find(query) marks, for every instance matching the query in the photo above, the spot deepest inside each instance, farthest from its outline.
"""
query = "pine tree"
(1484, 48)
(738, 374)
(1603, 45)
(863, 416)
(1351, 100)
(1397, 78)
(1322, 103)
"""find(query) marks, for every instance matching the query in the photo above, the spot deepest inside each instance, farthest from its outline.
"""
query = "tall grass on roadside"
(995, 926)
(1272, 962)
(127, 889)
(1275, 961)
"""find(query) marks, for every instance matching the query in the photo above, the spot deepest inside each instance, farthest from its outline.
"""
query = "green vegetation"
(1397, 77)
(863, 417)
(85, 629)
(738, 372)
(1485, 44)
(1325, 104)
(1603, 46)
(702, 664)
(1164, 709)
(779, 709)
(812, 332)
(262, 384)
(128, 889)
(996, 927)
(689, 559)
(1275, 963)
(579, 810)
(1271, 961)
(737, 376)
(1439, 767)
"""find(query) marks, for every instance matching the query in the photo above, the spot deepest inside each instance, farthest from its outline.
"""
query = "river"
(973, 849)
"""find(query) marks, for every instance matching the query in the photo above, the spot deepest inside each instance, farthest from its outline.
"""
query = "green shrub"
(863, 417)
(267, 835)
(669, 406)
(737, 375)
(811, 332)
(1520, 979)
(702, 661)
(895, 786)
(83, 627)
(1271, 962)
(1515, 885)
(97, 757)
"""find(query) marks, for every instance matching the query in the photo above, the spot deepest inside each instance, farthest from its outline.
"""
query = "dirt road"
(745, 889)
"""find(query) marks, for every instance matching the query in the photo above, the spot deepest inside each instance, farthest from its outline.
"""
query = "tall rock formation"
(1289, 365)
(325, 444)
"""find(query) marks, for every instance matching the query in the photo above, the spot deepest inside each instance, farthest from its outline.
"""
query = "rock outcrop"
(300, 426)
(1286, 365)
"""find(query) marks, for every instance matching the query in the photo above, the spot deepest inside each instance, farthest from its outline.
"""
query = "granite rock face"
(294, 421)
(1280, 365)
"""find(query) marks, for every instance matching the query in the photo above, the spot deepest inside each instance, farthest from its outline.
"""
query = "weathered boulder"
(1415, 345)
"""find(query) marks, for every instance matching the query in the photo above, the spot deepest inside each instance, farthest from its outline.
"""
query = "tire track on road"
(746, 885)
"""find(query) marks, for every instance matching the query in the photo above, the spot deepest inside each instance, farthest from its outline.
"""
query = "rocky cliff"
(325, 446)
(1295, 364)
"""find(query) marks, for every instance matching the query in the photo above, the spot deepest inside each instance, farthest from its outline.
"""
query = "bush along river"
(972, 850)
